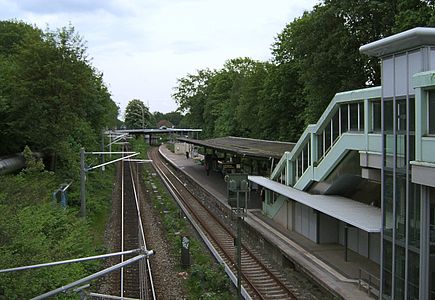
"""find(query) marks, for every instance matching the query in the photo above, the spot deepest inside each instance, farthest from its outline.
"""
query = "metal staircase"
(349, 123)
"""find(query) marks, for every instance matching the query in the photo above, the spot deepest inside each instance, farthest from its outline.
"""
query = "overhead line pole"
(84, 170)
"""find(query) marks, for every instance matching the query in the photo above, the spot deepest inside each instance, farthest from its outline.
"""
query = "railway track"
(216, 221)
(135, 281)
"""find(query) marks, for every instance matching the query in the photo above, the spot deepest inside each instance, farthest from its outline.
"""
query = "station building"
(363, 176)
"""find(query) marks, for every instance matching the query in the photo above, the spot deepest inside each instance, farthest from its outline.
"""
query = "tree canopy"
(137, 115)
(51, 97)
(314, 57)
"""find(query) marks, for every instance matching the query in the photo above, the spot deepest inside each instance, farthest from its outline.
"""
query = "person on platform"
(207, 168)
(187, 154)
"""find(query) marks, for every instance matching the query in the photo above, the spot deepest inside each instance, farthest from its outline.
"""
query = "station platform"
(323, 262)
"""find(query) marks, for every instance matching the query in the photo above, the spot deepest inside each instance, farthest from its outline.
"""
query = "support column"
(420, 120)
(424, 244)
(346, 231)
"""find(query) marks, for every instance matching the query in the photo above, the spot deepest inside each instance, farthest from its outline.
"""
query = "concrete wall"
(305, 221)
(361, 242)
(284, 217)
(397, 72)
(328, 229)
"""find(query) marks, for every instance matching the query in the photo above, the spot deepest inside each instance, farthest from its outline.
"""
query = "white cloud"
(143, 46)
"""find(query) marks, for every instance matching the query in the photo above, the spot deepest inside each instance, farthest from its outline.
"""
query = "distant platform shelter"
(235, 154)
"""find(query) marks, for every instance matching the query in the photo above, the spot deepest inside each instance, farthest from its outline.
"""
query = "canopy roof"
(245, 146)
(360, 215)
(419, 36)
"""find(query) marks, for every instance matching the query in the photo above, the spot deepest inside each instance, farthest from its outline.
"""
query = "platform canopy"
(244, 146)
(360, 215)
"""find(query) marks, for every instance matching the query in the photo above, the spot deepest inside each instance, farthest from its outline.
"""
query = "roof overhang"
(360, 215)
(419, 36)
(255, 148)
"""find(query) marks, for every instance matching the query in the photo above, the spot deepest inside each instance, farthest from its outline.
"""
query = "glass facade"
(400, 197)
(376, 116)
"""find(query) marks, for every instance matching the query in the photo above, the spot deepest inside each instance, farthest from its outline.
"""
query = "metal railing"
(369, 282)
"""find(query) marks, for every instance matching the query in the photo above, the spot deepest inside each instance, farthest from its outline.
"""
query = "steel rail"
(171, 188)
(150, 277)
(228, 211)
(285, 288)
(228, 255)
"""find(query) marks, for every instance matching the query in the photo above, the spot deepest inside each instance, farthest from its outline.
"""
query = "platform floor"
(325, 262)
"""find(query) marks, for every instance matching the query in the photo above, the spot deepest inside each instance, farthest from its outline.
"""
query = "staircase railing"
(355, 112)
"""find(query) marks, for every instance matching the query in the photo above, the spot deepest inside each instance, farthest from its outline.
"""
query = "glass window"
(388, 115)
(376, 116)
(388, 203)
(413, 274)
(344, 124)
(353, 116)
(400, 220)
(401, 115)
(320, 145)
(305, 156)
(327, 136)
(387, 268)
(399, 272)
(335, 129)
(414, 216)
(361, 116)
(299, 166)
(431, 114)
(411, 114)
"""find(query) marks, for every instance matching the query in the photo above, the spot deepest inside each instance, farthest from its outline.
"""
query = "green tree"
(191, 95)
(52, 98)
(137, 115)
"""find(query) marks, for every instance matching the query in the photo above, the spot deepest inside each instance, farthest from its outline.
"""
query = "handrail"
(369, 284)
(318, 128)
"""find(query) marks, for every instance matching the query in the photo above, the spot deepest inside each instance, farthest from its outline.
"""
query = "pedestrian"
(207, 169)
(187, 154)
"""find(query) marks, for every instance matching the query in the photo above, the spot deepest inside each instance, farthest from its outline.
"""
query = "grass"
(35, 229)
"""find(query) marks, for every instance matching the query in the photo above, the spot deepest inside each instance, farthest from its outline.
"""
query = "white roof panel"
(419, 36)
(360, 215)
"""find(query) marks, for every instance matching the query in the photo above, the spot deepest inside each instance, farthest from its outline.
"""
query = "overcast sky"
(143, 46)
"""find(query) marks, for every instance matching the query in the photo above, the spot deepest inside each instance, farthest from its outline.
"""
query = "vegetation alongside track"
(205, 279)
(34, 229)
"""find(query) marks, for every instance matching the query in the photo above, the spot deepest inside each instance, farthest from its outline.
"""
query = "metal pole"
(82, 184)
(110, 145)
(71, 261)
(89, 278)
(102, 149)
(239, 248)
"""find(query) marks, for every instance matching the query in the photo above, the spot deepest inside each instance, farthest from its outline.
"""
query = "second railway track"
(259, 280)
